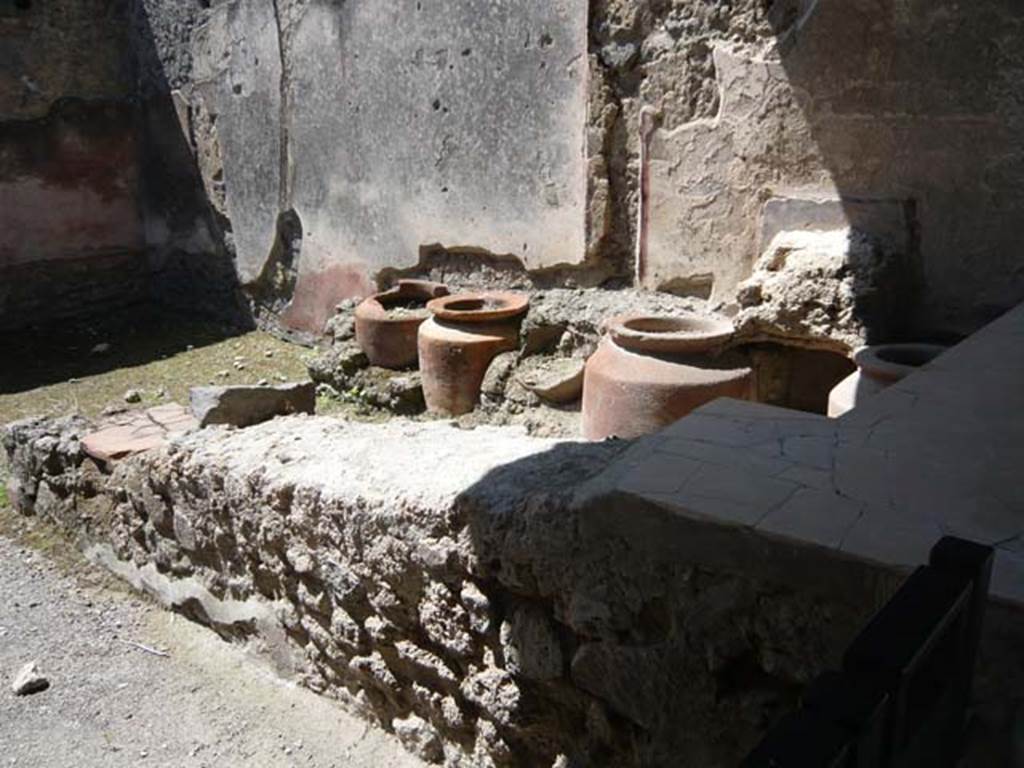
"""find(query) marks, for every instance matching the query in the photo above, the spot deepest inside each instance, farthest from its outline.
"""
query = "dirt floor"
(113, 703)
(85, 366)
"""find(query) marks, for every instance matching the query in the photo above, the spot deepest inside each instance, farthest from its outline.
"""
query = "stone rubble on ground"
(556, 380)
(29, 680)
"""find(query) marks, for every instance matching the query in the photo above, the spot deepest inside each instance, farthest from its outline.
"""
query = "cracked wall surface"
(860, 107)
(381, 130)
(309, 149)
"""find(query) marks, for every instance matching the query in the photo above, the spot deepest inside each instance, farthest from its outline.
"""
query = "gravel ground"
(113, 704)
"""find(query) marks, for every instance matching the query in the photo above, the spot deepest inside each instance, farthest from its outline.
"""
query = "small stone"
(530, 644)
(29, 681)
(133, 396)
(419, 737)
(619, 56)
(162, 393)
(557, 380)
(223, 374)
(268, 353)
(497, 375)
(263, 383)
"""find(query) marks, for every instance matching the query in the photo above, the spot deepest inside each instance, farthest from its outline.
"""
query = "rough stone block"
(243, 406)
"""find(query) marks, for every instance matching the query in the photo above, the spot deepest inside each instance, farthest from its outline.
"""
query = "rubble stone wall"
(506, 611)
(501, 612)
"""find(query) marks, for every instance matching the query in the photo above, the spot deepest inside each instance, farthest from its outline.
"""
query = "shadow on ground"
(80, 347)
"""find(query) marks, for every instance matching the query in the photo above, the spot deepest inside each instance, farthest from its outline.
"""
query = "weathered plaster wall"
(339, 140)
(70, 231)
(312, 148)
(902, 119)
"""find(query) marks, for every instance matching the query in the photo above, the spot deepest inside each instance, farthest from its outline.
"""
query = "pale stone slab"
(660, 473)
(883, 537)
(937, 455)
(1008, 577)
(813, 515)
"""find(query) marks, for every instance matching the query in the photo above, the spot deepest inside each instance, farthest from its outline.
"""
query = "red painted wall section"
(318, 292)
(69, 185)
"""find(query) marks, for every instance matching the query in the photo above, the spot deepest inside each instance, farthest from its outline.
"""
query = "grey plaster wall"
(308, 148)
(384, 128)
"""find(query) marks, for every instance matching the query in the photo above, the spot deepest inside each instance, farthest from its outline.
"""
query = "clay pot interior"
(478, 307)
(404, 305)
(892, 362)
(408, 299)
(387, 322)
(669, 335)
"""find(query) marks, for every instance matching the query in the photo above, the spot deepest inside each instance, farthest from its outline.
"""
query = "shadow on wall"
(100, 201)
(188, 239)
(624, 634)
(618, 644)
(916, 112)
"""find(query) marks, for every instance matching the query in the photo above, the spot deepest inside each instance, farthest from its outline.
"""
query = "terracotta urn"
(387, 323)
(877, 368)
(650, 371)
(457, 344)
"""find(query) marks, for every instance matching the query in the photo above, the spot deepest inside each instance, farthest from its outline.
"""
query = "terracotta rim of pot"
(479, 307)
(669, 333)
(378, 306)
(892, 362)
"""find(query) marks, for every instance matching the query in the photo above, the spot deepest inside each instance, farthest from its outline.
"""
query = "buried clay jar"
(650, 371)
(387, 323)
(877, 368)
(458, 343)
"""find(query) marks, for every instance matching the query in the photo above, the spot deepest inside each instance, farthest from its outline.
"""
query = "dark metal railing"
(901, 698)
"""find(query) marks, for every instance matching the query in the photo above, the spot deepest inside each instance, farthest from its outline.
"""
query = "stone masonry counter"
(465, 588)
(503, 600)
(936, 453)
